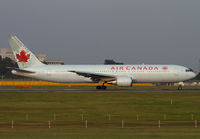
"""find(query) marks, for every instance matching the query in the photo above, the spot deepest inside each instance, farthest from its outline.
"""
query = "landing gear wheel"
(101, 87)
(98, 87)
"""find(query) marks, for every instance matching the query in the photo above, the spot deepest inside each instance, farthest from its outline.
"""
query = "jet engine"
(124, 81)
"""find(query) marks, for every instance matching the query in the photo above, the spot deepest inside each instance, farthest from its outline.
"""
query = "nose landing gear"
(180, 87)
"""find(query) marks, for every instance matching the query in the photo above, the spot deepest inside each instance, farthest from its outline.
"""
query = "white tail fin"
(23, 56)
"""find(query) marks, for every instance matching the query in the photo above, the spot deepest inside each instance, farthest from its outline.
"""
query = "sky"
(90, 31)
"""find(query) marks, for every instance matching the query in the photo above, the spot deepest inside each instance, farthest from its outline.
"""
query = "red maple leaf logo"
(164, 68)
(23, 57)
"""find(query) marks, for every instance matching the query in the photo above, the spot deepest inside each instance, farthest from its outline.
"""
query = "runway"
(94, 90)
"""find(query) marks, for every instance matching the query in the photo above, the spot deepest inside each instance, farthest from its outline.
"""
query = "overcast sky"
(88, 31)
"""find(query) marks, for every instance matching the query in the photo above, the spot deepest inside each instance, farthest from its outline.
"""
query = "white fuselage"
(139, 73)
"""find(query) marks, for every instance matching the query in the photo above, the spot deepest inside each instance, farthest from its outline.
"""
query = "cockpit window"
(189, 70)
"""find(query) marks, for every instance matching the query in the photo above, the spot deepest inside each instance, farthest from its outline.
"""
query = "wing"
(96, 77)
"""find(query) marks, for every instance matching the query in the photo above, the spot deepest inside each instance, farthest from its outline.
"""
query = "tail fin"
(23, 56)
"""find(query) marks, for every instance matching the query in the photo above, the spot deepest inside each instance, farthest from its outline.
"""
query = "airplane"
(120, 75)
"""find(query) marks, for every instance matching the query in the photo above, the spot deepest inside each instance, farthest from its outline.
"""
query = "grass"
(31, 112)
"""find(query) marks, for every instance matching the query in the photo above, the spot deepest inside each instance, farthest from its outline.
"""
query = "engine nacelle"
(124, 81)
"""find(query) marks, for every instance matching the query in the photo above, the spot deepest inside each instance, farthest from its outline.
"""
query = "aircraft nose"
(194, 74)
(190, 73)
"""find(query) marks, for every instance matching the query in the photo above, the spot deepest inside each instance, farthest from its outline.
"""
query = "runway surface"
(93, 90)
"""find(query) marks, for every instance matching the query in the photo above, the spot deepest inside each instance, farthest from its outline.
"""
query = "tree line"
(5, 72)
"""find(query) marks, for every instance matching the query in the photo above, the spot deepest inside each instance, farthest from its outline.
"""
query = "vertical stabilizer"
(23, 56)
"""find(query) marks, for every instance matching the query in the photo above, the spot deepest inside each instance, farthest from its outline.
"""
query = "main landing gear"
(101, 87)
(180, 87)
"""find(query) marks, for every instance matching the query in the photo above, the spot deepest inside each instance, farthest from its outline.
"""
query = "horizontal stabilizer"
(20, 70)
